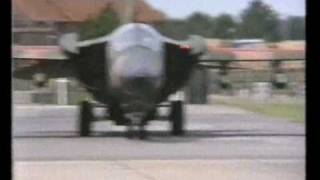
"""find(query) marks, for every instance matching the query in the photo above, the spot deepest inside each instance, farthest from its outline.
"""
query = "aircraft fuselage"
(133, 69)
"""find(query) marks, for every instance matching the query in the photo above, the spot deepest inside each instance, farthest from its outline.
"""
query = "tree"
(196, 23)
(260, 21)
(296, 28)
(99, 26)
(199, 23)
(224, 26)
(173, 28)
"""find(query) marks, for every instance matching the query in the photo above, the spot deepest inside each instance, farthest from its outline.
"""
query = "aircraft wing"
(196, 44)
(198, 51)
(218, 58)
(180, 57)
(53, 61)
(31, 60)
(37, 52)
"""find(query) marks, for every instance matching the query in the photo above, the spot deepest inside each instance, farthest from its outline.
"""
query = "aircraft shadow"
(165, 136)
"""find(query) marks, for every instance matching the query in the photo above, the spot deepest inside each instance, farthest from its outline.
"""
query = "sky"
(183, 8)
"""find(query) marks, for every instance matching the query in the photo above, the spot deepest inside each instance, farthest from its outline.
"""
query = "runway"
(216, 135)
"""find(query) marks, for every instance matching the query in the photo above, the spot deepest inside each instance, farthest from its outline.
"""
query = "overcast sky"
(183, 8)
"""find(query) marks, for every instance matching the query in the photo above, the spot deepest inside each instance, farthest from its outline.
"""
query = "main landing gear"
(176, 118)
(85, 118)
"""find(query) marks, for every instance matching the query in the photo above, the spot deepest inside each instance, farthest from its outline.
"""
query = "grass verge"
(294, 112)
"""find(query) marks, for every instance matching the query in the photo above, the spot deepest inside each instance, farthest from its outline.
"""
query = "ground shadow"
(163, 136)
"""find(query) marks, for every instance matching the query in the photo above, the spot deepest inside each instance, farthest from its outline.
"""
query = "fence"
(249, 79)
(60, 91)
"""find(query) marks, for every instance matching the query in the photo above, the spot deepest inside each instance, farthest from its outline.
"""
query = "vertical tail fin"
(127, 16)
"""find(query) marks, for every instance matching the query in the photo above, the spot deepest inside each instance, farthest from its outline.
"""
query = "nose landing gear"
(138, 120)
(176, 118)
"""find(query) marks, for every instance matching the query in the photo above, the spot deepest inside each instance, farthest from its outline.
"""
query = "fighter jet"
(131, 71)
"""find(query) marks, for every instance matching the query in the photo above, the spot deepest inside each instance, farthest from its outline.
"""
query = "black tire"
(177, 119)
(86, 116)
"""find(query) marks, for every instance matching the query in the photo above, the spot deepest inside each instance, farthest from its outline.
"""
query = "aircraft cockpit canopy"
(136, 35)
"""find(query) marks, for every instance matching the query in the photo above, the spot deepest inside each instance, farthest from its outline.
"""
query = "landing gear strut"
(137, 121)
(176, 118)
(86, 117)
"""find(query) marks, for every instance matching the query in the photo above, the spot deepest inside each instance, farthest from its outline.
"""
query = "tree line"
(258, 20)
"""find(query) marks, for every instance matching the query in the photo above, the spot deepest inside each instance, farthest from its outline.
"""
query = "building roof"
(69, 11)
(225, 53)
(55, 53)
(294, 45)
(37, 52)
(221, 53)
(289, 53)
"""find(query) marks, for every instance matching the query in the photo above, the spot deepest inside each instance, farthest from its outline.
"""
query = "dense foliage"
(99, 26)
(258, 20)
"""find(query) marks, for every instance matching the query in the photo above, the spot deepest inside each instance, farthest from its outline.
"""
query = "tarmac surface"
(220, 143)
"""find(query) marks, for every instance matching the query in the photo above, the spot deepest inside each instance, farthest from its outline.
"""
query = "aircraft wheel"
(86, 116)
(176, 118)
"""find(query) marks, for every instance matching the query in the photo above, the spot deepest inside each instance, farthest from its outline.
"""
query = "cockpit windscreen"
(135, 35)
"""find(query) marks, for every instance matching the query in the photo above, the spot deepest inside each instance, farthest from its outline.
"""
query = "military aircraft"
(132, 71)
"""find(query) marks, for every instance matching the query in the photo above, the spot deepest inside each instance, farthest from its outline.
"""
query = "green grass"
(294, 112)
